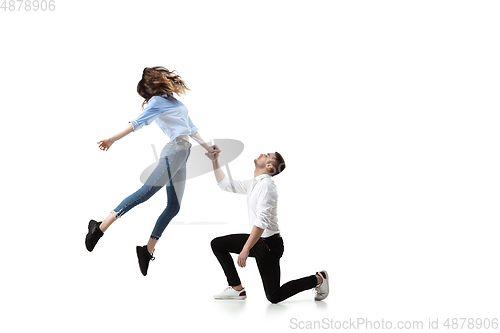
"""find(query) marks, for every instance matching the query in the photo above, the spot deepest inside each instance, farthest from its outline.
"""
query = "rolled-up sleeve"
(193, 128)
(150, 113)
(235, 186)
(266, 203)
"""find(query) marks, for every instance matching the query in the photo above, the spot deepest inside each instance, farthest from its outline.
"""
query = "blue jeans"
(170, 171)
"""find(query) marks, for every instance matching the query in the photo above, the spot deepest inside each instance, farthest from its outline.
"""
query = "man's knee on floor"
(273, 298)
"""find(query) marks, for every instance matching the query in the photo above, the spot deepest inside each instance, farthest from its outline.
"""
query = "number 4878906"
(28, 5)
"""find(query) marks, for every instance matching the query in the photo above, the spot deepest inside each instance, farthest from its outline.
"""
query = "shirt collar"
(264, 175)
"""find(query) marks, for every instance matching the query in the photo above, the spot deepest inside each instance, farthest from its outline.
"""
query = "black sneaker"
(93, 235)
(144, 258)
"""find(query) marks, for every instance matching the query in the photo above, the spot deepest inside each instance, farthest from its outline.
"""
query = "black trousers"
(267, 252)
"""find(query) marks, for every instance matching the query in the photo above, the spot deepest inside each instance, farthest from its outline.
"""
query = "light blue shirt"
(169, 114)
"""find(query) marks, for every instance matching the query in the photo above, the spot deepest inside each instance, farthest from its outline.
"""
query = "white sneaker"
(230, 293)
(322, 290)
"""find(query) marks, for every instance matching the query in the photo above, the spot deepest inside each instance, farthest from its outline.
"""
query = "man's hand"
(242, 258)
(105, 144)
(212, 156)
(251, 241)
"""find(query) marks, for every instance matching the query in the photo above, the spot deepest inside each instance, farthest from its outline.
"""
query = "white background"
(387, 115)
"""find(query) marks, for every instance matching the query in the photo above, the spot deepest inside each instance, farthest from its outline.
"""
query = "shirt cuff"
(261, 224)
(134, 126)
(195, 139)
(223, 184)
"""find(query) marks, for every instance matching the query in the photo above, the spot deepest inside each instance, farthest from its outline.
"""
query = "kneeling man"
(264, 243)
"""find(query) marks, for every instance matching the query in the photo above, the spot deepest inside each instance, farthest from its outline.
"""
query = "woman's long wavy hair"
(158, 81)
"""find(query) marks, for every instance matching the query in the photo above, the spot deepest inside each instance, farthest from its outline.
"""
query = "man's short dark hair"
(278, 163)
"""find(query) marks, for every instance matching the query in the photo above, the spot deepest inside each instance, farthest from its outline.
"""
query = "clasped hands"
(213, 153)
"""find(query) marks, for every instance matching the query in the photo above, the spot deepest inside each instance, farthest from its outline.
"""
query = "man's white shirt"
(262, 201)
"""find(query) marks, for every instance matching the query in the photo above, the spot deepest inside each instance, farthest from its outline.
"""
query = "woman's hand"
(105, 144)
(213, 149)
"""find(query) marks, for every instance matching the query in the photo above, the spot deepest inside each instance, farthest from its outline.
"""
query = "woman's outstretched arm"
(106, 143)
(202, 143)
(197, 137)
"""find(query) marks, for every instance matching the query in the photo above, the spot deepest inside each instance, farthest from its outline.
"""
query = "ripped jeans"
(170, 171)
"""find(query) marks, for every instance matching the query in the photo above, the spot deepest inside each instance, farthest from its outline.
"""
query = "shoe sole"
(137, 248)
(328, 284)
(231, 298)
(87, 238)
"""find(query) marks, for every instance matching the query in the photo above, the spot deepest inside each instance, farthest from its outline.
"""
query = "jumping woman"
(157, 87)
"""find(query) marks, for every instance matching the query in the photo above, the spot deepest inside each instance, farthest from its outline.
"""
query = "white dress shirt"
(262, 201)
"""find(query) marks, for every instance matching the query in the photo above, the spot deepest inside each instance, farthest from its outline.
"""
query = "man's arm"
(226, 184)
(267, 200)
(106, 143)
(219, 174)
(252, 239)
